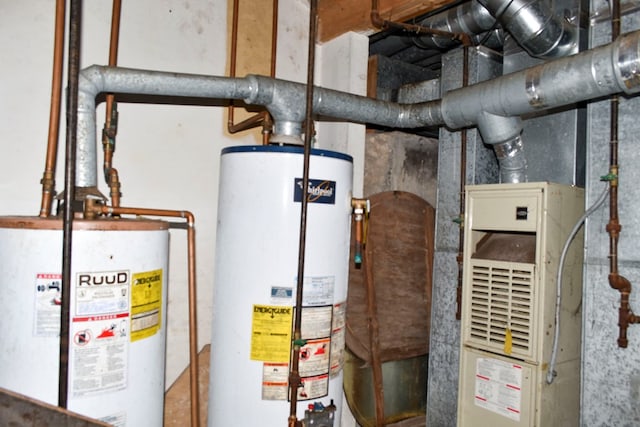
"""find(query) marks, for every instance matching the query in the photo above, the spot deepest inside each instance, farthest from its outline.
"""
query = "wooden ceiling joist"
(339, 16)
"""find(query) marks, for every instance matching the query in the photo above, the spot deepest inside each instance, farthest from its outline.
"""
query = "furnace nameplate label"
(499, 387)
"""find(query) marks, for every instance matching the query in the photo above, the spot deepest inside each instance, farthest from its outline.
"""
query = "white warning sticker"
(275, 381)
(499, 387)
(314, 387)
(99, 354)
(99, 333)
(338, 338)
(48, 297)
(316, 322)
(318, 290)
(102, 293)
(314, 357)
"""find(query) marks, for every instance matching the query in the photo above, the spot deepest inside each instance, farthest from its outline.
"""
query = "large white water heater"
(117, 315)
(255, 284)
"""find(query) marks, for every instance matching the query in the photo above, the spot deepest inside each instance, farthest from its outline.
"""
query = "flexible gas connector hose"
(551, 374)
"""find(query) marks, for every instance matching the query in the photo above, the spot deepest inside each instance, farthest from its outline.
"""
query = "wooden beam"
(339, 16)
(19, 410)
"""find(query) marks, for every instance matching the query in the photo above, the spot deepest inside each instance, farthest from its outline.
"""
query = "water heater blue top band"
(285, 149)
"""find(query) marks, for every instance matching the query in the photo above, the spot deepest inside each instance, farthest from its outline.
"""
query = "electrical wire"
(551, 374)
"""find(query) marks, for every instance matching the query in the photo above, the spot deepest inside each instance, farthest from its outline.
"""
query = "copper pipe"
(73, 77)
(418, 30)
(616, 281)
(97, 209)
(267, 128)
(233, 58)
(262, 118)
(274, 37)
(294, 373)
(49, 176)
(374, 336)
(111, 114)
(360, 216)
(114, 186)
(249, 123)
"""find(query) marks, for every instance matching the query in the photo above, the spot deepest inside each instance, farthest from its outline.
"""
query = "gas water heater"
(117, 330)
(255, 284)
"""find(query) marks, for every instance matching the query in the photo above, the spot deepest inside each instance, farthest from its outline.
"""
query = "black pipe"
(294, 375)
(75, 14)
(463, 183)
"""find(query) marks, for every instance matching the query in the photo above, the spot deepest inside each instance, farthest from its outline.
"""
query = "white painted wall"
(167, 156)
(341, 64)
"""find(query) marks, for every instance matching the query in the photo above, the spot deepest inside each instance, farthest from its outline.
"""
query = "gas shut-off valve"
(361, 208)
(319, 415)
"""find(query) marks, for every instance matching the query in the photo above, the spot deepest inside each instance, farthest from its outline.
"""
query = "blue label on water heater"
(318, 191)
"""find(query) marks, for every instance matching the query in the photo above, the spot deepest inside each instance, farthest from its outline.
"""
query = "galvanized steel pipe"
(97, 79)
(535, 27)
(491, 105)
(598, 72)
(470, 18)
(532, 23)
(285, 101)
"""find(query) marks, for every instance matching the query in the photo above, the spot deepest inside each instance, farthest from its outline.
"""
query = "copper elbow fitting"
(620, 283)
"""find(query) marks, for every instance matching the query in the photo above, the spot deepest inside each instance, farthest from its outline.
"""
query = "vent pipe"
(470, 18)
(535, 27)
(494, 106)
(532, 23)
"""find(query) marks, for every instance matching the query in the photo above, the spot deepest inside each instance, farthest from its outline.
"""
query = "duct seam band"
(508, 149)
(626, 56)
(532, 82)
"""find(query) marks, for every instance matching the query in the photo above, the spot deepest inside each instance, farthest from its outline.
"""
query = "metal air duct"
(492, 105)
(470, 18)
(535, 27)
(532, 23)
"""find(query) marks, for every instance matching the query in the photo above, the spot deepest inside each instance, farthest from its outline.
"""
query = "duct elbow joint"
(503, 133)
(535, 26)
(260, 90)
(626, 54)
(91, 81)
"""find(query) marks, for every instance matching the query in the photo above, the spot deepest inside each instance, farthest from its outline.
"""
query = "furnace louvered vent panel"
(501, 298)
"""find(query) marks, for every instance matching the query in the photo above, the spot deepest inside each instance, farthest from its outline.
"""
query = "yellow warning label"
(508, 341)
(146, 304)
(271, 333)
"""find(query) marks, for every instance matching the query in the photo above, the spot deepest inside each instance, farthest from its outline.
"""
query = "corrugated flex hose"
(551, 374)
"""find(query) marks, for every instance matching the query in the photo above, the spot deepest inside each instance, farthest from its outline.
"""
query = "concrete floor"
(177, 403)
